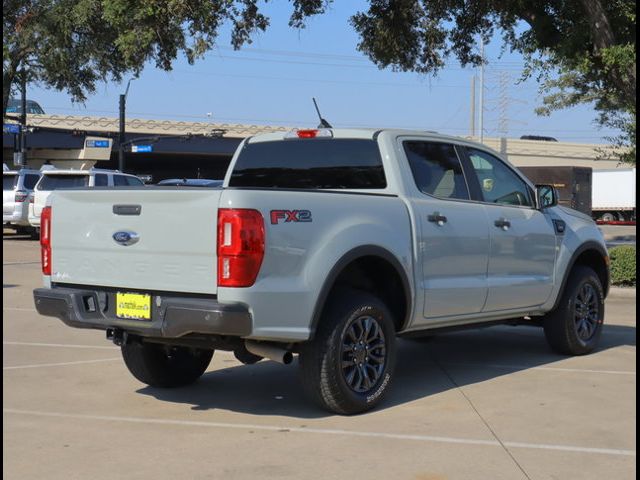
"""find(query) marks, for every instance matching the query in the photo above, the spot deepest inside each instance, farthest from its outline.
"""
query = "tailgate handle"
(127, 209)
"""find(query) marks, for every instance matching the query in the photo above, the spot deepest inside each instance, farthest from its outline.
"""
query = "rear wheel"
(165, 365)
(574, 328)
(348, 367)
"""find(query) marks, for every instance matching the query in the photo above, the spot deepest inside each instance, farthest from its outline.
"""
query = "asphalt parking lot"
(487, 404)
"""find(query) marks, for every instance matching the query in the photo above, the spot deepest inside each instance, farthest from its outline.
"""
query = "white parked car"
(17, 185)
(58, 179)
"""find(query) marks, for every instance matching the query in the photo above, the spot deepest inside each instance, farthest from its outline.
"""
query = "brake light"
(45, 240)
(240, 246)
(307, 133)
(21, 196)
(32, 198)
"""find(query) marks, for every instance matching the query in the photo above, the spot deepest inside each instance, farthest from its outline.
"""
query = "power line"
(331, 56)
(340, 65)
(315, 80)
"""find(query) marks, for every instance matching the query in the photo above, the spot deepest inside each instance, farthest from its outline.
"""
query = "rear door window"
(101, 180)
(60, 182)
(436, 169)
(310, 164)
(9, 182)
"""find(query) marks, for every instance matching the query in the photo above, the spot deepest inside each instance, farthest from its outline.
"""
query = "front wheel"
(165, 366)
(348, 366)
(574, 328)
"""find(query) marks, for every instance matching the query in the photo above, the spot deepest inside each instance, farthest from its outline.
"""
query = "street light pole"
(121, 139)
(23, 118)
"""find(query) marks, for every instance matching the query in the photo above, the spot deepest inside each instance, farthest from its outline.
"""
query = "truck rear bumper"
(172, 316)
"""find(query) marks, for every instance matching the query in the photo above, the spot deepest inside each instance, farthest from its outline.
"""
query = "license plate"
(133, 305)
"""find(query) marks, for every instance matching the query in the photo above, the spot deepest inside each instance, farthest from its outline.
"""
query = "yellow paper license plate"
(133, 305)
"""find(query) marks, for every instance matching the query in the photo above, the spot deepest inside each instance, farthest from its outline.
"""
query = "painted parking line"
(59, 345)
(323, 431)
(19, 309)
(527, 367)
(20, 263)
(62, 364)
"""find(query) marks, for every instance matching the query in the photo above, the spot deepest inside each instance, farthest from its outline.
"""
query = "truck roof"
(367, 133)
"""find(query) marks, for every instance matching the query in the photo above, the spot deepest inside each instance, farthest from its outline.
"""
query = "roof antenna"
(323, 122)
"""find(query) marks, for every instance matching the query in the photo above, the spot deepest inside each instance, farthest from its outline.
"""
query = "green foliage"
(583, 50)
(73, 44)
(623, 265)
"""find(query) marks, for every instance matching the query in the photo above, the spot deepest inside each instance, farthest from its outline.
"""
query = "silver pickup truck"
(327, 244)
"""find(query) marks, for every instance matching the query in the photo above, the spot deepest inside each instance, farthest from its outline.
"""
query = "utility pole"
(503, 103)
(121, 139)
(481, 106)
(472, 116)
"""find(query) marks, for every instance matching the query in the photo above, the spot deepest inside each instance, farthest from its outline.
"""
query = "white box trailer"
(613, 194)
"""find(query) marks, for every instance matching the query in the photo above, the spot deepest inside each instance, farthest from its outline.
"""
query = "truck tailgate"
(176, 250)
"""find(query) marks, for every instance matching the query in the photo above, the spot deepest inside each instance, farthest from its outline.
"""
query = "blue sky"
(271, 82)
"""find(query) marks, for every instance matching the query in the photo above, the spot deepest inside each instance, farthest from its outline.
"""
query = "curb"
(622, 292)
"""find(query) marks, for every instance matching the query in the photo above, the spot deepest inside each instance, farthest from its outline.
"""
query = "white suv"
(57, 179)
(17, 185)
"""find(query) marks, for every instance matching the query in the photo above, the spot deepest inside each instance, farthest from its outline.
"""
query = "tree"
(583, 50)
(73, 44)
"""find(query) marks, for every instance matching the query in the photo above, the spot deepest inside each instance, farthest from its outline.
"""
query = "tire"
(165, 366)
(341, 339)
(574, 328)
(609, 217)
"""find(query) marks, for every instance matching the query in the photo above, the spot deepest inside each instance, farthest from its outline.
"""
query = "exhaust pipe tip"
(287, 358)
(270, 351)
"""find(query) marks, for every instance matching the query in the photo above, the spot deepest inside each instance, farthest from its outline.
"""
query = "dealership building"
(162, 149)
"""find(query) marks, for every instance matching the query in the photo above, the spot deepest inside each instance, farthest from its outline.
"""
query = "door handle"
(502, 223)
(438, 219)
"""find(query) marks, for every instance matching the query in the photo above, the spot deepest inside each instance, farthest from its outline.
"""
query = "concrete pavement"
(487, 404)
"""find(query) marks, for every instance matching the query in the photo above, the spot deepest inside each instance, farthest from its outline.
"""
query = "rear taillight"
(240, 246)
(32, 198)
(21, 196)
(45, 240)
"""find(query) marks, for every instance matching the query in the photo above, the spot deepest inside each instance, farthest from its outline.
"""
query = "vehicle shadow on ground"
(423, 368)
(19, 237)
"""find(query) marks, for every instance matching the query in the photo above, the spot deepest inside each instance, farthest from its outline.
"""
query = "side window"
(133, 181)
(498, 183)
(101, 180)
(120, 181)
(30, 181)
(436, 169)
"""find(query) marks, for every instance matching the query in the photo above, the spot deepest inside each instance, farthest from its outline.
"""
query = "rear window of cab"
(310, 164)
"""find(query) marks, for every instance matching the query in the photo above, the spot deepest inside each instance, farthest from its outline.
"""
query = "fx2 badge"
(287, 216)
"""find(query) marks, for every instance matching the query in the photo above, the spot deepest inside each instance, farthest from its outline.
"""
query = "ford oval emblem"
(126, 237)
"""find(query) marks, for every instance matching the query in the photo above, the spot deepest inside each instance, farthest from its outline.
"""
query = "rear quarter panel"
(300, 255)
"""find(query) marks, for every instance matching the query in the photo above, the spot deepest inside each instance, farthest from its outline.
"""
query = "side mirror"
(546, 196)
